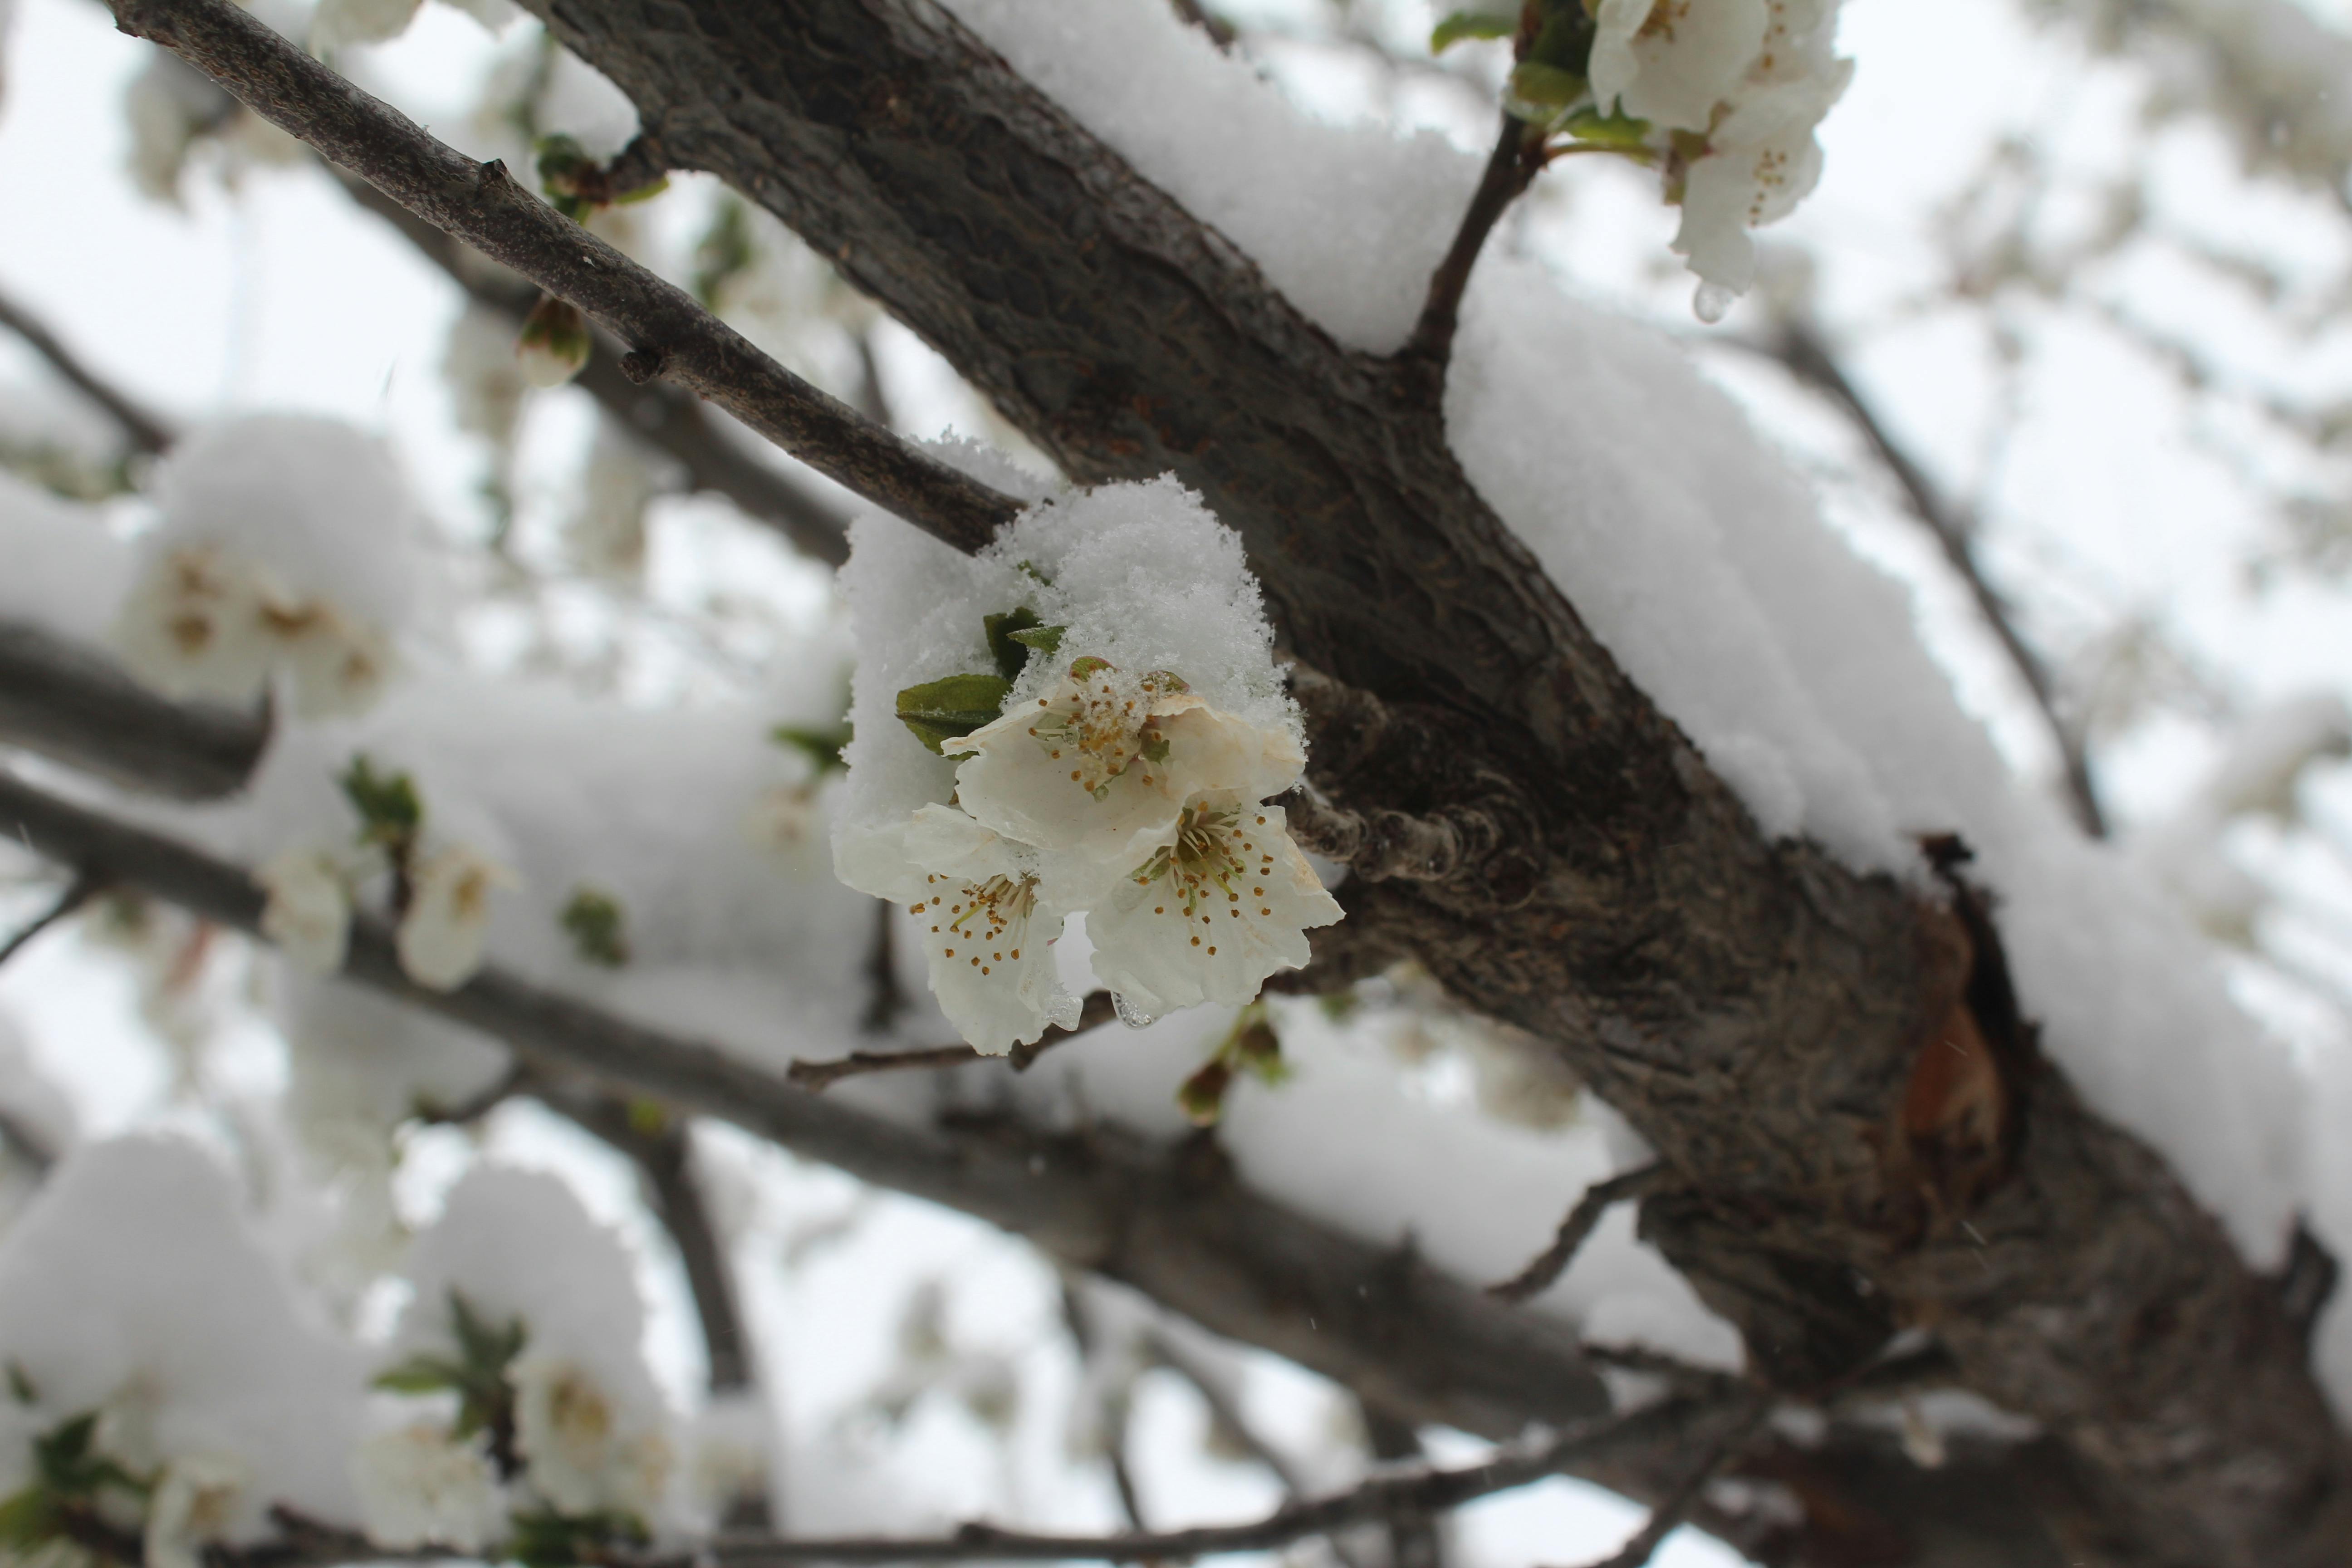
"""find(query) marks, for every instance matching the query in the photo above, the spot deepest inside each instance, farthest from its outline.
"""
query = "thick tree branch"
(664, 417)
(1754, 1008)
(669, 334)
(147, 431)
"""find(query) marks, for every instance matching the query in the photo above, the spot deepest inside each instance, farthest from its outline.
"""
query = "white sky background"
(285, 296)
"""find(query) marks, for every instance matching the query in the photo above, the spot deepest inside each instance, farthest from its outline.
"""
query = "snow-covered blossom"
(309, 914)
(576, 1455)
(195, 1504)
(987, 921)
(1670, 62)
(1101, 765)
(191, 627)
(442, 934)
(1760, 160)
(418, 1484)
(1207, 916)
(339, 22)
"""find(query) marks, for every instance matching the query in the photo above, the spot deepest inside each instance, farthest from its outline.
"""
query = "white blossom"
(418, 1484)
(1760, 160)
(576, 1456)
(1101, 765)
(441, 936)
(309, 914)
(1670, 62)
(987, 917)
(1207, 916)
(191, 626)
(339, 22)
(193, 1504)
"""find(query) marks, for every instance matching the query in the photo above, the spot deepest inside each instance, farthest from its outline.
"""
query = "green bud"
(1202, 1096)
(594, 922)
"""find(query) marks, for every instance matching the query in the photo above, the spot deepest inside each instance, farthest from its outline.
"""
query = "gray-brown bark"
(1753, 1008)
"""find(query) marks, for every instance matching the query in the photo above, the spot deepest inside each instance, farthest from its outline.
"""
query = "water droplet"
(1133, 1016)
(1711, 301)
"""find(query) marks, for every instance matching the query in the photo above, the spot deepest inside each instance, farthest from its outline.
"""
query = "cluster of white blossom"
(444, 920)
(1119, 766)
(283, 552)
(1731, 91)
(172, 1386)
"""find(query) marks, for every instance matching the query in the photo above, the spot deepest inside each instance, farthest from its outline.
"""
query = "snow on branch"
(671, 336)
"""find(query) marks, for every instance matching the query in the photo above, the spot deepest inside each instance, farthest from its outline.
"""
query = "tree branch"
(1511, 167)
(664, 417)
(1801, 349)
(1598, 1200)
(81, 709)
(671, 336)
(147, 431)
(819, 1076)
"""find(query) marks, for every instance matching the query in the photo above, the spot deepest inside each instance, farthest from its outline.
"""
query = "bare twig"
(672, 336)
(1513, 166)
(816, 1076)
(1414, 1540)
(1122, 1474)
(80, 891)
(1597, 1199)
(1223, 1410)
(1803, 350)
(147, 431)
(662, 416)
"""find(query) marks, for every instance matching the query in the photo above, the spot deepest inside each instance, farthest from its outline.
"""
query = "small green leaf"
(26, 1519)
(823, 747)
(1044, 640)
(389, 810)
(941, 710)
(1003, 631)
(594, 922)
(420, 1374)
(1538, 92)
(642, 193)
(484, 1348)
(1619, 130)
(20, 1384)
(1468, 25)
(1082, 668)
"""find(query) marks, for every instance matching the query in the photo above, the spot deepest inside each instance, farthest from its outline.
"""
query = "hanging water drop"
(1711, 301)
(1133, 1016)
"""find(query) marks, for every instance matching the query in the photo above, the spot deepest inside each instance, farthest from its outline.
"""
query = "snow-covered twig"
(672, 337)
(149, 433)
(81, 709)
(1597, 1201)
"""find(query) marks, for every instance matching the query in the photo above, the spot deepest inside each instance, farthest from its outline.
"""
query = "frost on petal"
(309, 914)
(576, 1455)
(1671, 61)
(419, 1486)
(191, 626)
(442, 936)
(1210, 915)
(195, 1504)
(1101, 765)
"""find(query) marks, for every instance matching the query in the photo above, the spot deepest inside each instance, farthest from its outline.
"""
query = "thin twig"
(661, 416)
(1414, 1540)
(148, 433)
(1809, 358)
(1517, 159)
(817, 1076)
(672, 336)
(1675, 1507)
(1597, 1199)
(80, 891)
(1115, 1442)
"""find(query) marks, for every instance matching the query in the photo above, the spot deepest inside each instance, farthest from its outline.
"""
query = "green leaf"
(27, 1519)
(1538, 92)
(420, 1374)
(941, 710)
(1619, 130)
(1011, 656)
(546, 1539)
(20, 1384)
(61, 1453)
(642, 193)
(1468, 25)
(823, 747)
(1046, 640)
(1082, 668)
(594, 922)
(484, 1348)
(389, 810)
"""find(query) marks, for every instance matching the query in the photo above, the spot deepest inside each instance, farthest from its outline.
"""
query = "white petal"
(1692, 55)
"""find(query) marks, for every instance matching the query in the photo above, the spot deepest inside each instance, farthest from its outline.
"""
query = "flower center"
(1097, 730)
(1208, 856)
(998, 903)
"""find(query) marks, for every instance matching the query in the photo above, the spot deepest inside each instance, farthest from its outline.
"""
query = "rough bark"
(1754, 1009)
